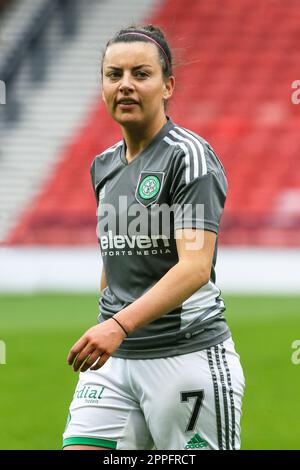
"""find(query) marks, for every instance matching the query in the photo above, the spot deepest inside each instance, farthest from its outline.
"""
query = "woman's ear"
(169, 87)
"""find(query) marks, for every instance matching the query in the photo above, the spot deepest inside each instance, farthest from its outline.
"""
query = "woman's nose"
(126, 82)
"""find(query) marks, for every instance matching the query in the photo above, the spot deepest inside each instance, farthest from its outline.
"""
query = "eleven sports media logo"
(146, 217)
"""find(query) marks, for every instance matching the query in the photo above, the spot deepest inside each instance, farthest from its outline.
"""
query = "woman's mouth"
(127, 103)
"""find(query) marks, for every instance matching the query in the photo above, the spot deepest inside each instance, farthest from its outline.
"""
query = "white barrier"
(239, 270)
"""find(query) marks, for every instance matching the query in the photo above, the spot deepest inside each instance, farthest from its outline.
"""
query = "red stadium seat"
(234, 88)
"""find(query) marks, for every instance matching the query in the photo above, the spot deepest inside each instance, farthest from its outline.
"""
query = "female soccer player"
(160, 369)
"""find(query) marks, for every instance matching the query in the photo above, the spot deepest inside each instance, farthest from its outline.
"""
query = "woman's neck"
(137, 139)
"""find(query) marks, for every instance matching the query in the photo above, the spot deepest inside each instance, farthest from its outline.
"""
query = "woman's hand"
(99, 342)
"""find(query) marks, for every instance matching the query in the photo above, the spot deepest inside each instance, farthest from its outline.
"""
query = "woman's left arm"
(195, 253)
(195, 249)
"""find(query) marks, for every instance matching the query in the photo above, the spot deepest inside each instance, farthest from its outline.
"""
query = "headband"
(150, 39)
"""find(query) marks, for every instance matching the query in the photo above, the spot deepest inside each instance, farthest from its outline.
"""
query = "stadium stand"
(235, 67)
(52, 108)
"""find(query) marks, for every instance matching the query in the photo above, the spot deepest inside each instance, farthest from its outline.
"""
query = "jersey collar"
(160, 135)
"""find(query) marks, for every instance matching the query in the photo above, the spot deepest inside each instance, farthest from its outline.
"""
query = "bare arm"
(190, 273)
(103, 280)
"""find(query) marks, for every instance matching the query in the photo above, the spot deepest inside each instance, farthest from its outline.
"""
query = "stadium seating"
(235, 67)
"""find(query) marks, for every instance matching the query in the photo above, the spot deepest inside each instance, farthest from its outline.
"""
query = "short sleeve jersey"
(176, 182)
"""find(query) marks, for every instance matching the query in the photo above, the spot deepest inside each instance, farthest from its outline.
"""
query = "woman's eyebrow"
(136, 67)
(140, 66)
(113, 67)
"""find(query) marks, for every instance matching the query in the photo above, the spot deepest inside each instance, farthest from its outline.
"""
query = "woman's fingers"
(76, 349)
(85, 352)
(90, 360)
(81, 358)
(101, 361)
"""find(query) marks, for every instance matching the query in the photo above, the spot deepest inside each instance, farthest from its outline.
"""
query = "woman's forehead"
(131, 54)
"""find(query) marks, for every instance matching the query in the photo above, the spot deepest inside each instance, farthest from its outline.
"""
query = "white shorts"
(192, 401)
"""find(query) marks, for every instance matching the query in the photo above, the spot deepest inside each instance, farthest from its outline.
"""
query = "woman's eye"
(141, 74)
(113, 75)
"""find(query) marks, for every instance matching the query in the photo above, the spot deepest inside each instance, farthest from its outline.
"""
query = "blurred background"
(236, 68)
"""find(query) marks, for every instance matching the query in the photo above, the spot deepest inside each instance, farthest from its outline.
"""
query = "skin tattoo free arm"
(190, 273)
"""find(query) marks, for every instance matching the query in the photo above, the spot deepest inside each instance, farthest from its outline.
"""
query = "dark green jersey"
(176, 181)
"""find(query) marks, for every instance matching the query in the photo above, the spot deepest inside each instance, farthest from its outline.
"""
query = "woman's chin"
(128, 119)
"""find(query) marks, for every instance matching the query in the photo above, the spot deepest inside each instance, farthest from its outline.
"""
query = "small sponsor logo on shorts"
(197, 442)
(89, 394)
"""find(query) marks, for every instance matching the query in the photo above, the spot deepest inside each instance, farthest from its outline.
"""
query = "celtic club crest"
(149, 187)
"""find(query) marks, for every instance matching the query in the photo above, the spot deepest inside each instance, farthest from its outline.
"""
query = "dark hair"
(156, 37)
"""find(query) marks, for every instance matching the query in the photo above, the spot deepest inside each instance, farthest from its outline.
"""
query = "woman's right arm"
(103, 280)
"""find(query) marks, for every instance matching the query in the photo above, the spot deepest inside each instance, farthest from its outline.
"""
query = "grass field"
(36, 384)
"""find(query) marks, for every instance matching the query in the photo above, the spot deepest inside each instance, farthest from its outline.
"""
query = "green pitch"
(36, 384)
